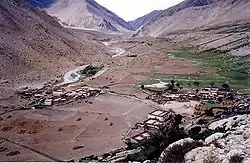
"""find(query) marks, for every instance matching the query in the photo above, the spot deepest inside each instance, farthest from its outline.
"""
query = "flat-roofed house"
(153, 124)
(142, 136)
(171, 96)
(158, 114)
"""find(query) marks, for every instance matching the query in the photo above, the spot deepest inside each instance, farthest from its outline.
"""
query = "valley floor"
(94, 125)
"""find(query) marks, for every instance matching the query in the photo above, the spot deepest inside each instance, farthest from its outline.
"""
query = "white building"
(158, 114)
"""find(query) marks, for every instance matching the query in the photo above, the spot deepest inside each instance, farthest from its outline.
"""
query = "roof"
(153, 122)
(160, 113)
(141, 136)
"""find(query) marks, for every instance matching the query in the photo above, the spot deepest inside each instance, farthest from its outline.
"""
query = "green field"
(235, 70)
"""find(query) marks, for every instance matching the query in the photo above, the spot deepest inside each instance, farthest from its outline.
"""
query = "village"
(46, 97)
(214, 104)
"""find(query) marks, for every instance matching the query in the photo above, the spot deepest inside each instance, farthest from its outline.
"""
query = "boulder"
(213, 138)
(175, 151)
(194, 130)
(229, 123)
(204, 155)
(229, 147)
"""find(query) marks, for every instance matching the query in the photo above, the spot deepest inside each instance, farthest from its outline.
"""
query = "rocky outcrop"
(231, 146)
(175, 151)
(112, 157)
(230, 143)
(242, 106)
(229, 123)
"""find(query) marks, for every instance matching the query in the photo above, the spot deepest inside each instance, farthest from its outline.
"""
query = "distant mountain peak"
(83, 14)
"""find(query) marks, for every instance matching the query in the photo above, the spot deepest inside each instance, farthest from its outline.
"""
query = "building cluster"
(144, 130)
(204, 94)
(39, 98)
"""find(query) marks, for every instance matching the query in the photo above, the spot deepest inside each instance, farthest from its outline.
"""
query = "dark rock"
(7, 128)
(2, 149)
(21, 132)
(178, 118)
(202, 121)
(194, 129)
(218, 113)
(59, 130)
(209, 112)
(9, 116)
(32, 132)
(79, 119)
(13, 153)
(78, 147)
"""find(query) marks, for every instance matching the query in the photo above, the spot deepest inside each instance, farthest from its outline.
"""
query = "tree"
(171, 87)
(178, 85)
(172, 82)
(196, 83)
(226, 86)
(142, 86)
(211, 84)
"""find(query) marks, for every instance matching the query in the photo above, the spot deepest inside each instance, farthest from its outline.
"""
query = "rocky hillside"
(157, 14)
(214, 24)
(139, 22)
(34, 47)
(84, 14)
(181, 18)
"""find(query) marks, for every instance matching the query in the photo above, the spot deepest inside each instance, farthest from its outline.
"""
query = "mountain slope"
(139, 22)
(192, 14)
(155, 15)
(84, 13)
(34, 47)
(218, 24)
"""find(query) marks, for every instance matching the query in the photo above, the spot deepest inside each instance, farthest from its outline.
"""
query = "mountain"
(34, 47)
(157, 14)
(139, 22)
(210, 24)
(84, 14)
(192, 14)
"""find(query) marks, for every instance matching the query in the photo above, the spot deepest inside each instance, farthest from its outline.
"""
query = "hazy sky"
(132, 9)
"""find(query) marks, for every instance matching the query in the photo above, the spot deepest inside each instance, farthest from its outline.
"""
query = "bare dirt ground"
(95, 125)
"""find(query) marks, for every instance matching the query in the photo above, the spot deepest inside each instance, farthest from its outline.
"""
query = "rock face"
(83, 14)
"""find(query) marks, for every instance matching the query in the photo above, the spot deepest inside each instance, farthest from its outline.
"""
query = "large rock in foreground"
(175, 151)
(231, 146)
